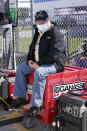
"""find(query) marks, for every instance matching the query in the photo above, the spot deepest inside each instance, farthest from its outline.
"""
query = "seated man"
(46, 56)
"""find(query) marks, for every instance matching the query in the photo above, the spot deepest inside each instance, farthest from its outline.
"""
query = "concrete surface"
(38, 126)
(19, 127)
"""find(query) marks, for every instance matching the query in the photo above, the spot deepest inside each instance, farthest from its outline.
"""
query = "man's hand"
(35, 66)
(32, 64)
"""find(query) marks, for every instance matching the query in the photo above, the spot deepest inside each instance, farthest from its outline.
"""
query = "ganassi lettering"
(59, 89)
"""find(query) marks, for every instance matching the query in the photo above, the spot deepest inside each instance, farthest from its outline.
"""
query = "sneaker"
(32, 111)
(17, 103)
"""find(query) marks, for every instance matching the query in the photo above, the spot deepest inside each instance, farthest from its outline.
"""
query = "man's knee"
(39, 72)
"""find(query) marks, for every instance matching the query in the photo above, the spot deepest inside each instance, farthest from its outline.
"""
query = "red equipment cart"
(73, 78)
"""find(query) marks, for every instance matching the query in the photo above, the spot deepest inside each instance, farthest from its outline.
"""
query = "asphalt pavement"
(38, 126)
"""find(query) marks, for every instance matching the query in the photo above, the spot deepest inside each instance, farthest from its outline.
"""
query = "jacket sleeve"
(56, 49)
(30, 55)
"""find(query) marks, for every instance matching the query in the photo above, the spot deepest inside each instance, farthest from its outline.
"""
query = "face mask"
(42, 27)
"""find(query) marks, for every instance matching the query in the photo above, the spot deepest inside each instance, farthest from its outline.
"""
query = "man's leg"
(19, 95)
(20, 80)
(39, 83)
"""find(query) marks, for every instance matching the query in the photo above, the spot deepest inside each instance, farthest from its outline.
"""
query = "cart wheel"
(48, 128)
(28, 122)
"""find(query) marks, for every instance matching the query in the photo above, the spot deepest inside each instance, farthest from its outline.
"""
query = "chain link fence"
(16, 39)
(71, 21)
(73, 24)
(22, 35)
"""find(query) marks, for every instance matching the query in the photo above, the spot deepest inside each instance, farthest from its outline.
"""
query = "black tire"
(28, 122)
(48, 128)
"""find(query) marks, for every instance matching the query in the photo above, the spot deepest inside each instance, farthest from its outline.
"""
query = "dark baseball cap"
(41, 15)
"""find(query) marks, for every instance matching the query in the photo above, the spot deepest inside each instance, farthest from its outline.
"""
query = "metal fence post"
(31, 12)
(68, 40)
(16, 33)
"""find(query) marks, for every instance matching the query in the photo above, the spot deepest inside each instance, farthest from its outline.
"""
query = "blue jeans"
(38, 85)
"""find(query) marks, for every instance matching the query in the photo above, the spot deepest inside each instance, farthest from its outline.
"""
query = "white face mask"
(42, 27)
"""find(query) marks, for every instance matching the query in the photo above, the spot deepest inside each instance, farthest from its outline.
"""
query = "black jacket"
(51, 48)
